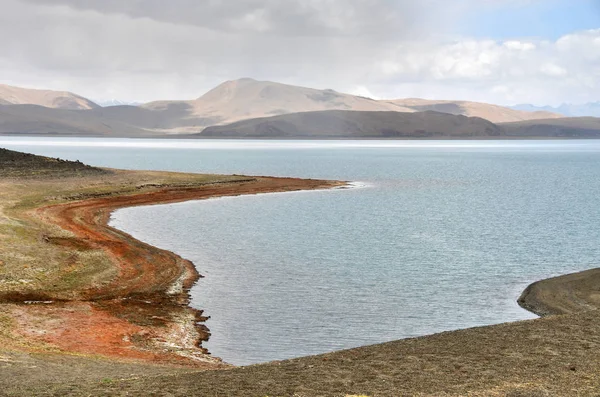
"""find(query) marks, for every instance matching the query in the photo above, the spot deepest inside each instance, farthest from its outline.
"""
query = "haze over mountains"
(266, 109)
(566, 109)
(493, 113)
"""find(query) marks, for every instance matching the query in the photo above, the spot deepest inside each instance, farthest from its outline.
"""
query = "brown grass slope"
(551, 356)
(355, 124)
(52, 99)
(23, 165)
(493, 113)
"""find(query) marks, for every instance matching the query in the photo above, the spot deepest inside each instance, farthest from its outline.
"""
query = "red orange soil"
(141, 313)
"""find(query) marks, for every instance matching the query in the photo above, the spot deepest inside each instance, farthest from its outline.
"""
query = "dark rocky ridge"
(358, 124)
(23, 165)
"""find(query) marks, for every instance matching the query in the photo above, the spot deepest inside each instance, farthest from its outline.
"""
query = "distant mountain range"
(591, 109)
(358, 124)
(332, 124)
(10, 95)
(269, 109)
(493, 113)
(247, 99)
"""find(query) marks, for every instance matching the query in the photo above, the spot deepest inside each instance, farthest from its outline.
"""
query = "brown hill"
(175, 117)
(357, 124)
(10, 95)
(493, 113)
(247, 99)
(39, 120)
(568, 127)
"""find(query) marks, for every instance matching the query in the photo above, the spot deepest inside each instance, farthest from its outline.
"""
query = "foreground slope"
(354, 124)
(554, 356)
(11, 95)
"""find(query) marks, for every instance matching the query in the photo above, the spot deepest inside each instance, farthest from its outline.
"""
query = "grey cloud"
(289, 17)
(68, 38)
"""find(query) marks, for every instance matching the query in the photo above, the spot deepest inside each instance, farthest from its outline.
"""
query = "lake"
(438, 235)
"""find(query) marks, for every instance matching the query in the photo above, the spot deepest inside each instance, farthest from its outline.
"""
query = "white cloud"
(528, 71)
(519, 45)
(551, 69)
(142, 51)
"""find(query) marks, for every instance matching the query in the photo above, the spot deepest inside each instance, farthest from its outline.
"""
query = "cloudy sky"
(500, 51)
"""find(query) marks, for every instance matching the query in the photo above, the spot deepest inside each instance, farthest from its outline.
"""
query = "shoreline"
(168, 285)
(142, 325)
(567, 294)
(142, 313)
(554, 355)
(165, 279)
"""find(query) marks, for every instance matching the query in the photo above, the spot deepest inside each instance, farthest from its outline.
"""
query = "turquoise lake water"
(439, 235)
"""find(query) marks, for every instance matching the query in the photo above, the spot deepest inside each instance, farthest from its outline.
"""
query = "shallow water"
(443, 235)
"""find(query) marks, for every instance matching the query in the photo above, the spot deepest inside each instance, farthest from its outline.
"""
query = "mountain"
(591, 109)
(568, 127)
(40, 120)
(10, 95)
(493, 113)
(247, 98)
(231, 101)
(358, 124)
(428, 124)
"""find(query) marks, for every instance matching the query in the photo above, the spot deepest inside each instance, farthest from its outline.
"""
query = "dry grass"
(552, 356)
(35, 258)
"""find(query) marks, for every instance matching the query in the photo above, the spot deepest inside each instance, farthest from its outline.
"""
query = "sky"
(544, 52)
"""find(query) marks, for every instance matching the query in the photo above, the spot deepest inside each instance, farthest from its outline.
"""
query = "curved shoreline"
(566, 294)
(142, 316)
(166, 279)
(146, 305)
